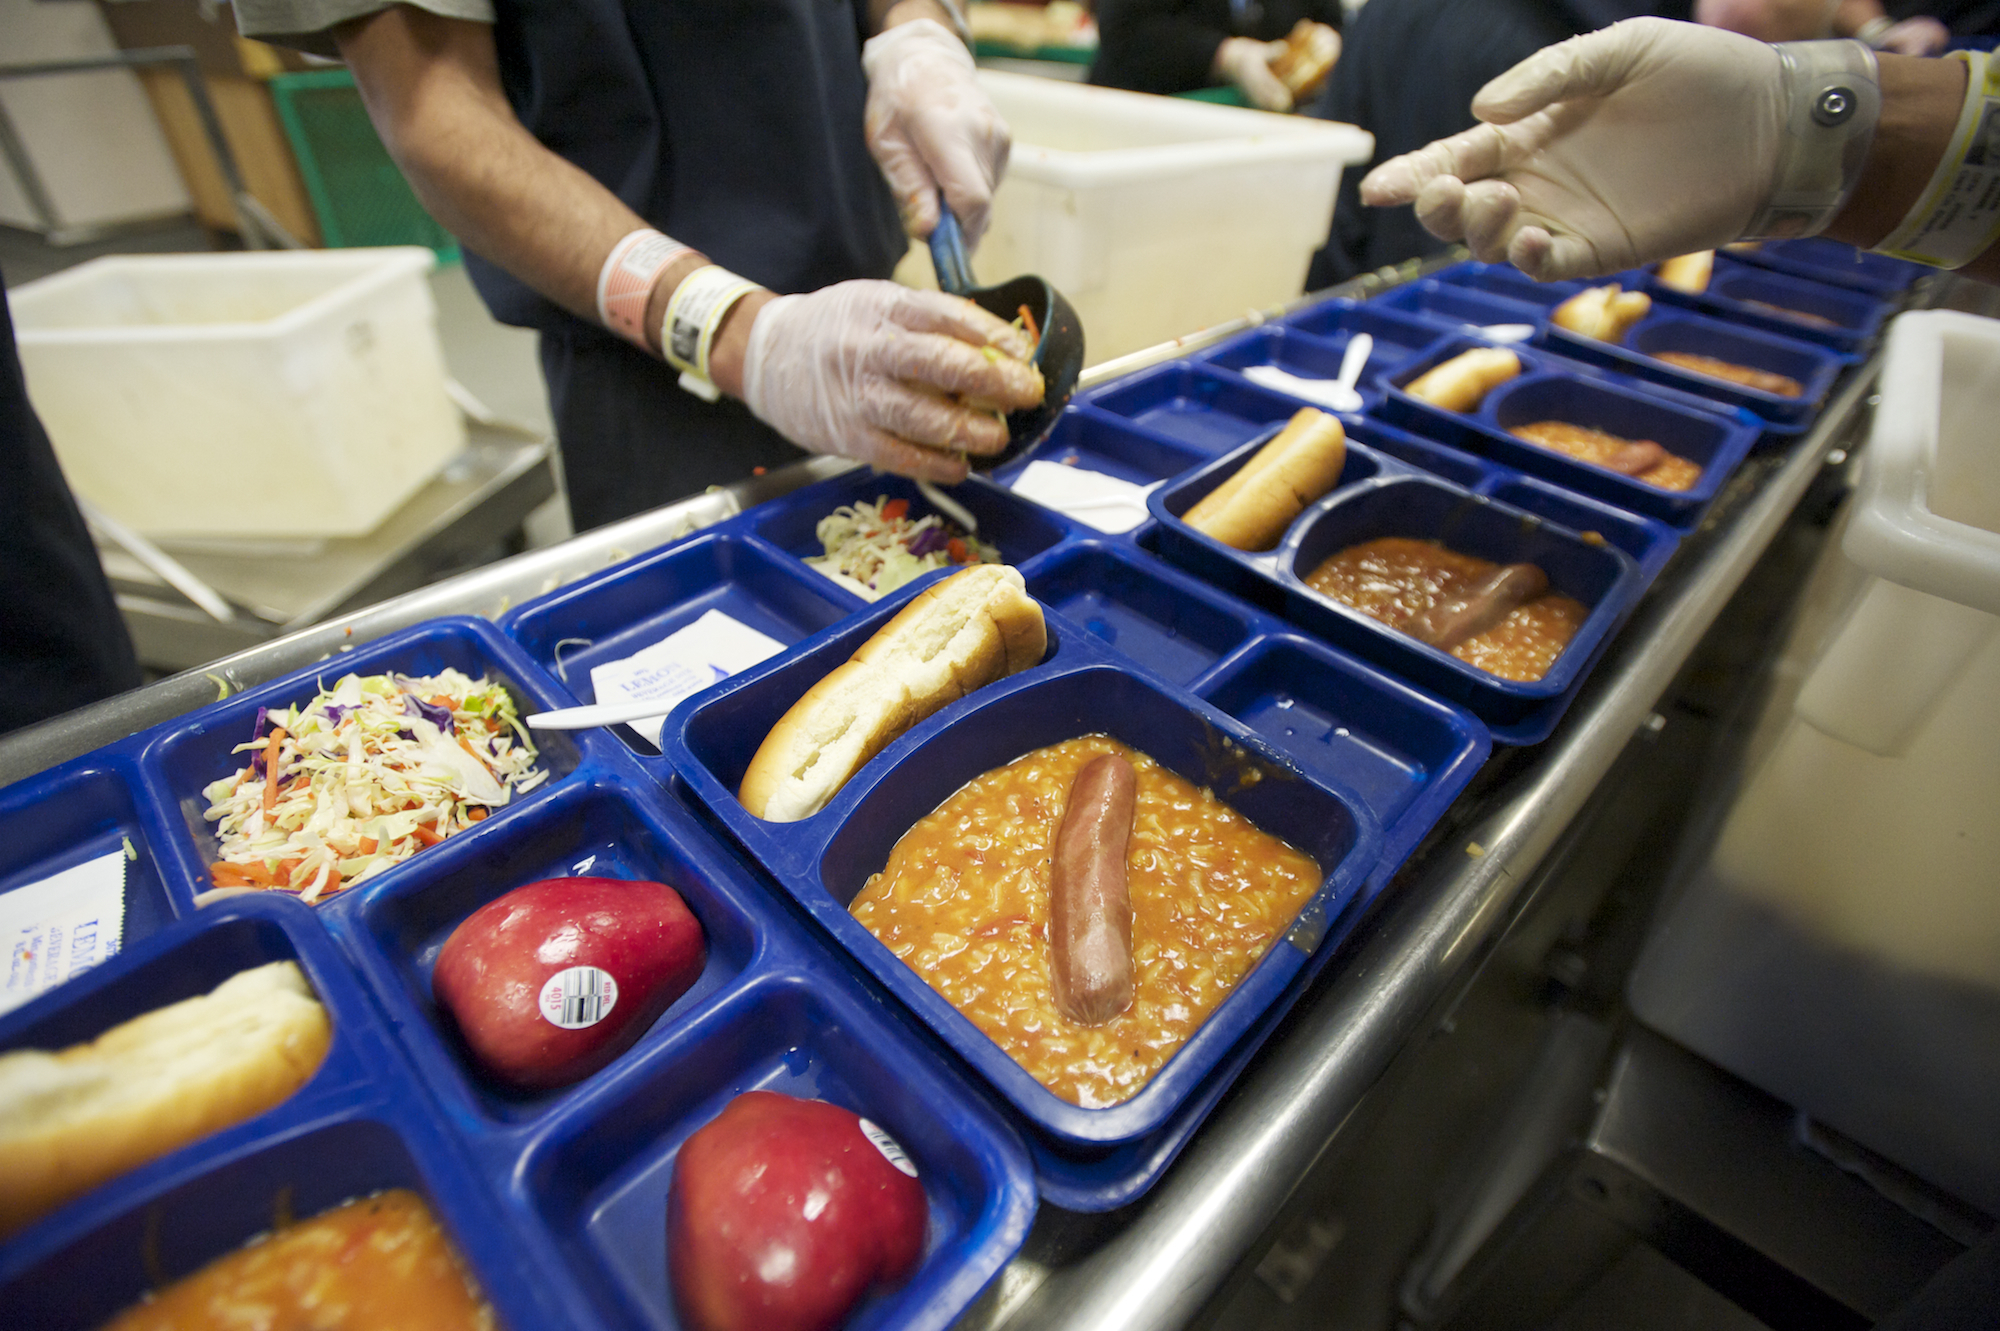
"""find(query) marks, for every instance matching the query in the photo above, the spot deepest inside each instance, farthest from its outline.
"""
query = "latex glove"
(1637, 142)
(931, 127)
(1918, 36)
(1246, 63)
(867, 369)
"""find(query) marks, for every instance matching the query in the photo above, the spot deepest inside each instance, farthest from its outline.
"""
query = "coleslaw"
(364, 776)
(872, 549)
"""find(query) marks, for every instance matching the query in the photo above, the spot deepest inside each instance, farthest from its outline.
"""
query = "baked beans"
(1394, 579)
(964, 901)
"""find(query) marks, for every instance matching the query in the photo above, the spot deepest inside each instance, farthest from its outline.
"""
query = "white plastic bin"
(1840, 947)
(1156, 216)
(294, 394)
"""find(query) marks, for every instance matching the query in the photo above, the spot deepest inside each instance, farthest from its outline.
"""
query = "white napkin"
(60, 927)
(1105, 502)
(682, 663)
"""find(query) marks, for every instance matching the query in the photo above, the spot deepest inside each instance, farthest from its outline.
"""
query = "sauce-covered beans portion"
(1395, 579)
(1661, 469)
(964, 901)
(377, 1264)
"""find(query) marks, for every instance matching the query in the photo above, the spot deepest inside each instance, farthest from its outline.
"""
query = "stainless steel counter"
(1157, 1262)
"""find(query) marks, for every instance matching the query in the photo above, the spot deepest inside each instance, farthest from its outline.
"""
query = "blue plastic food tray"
(1306, 355)
(556, 1201)
(1835, 261)
(1409, 753)
(1377, 496)
(1773, 301)
(1547, 389)
(1398, 336)
(1815, 367)
(354, 1128)
(1079, 689)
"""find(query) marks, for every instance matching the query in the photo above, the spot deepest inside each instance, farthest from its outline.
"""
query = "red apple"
(554, 980)
(784, 1213)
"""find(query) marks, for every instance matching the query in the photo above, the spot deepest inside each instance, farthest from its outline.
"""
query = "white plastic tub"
(1156, 216)
(273, 395)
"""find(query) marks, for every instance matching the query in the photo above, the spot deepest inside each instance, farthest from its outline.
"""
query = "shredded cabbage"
(871, 553)
(367, 774)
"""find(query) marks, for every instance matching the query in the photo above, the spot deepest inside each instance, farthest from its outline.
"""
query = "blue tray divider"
(1835, 261)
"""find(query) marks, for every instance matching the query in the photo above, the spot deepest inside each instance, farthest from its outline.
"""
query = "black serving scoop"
(1058, 354)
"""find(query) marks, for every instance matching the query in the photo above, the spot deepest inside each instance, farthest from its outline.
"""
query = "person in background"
(1651, 139)
(1173, 46)
(1903, 27)
(62, 642)
(1458, 45)
(715, 186)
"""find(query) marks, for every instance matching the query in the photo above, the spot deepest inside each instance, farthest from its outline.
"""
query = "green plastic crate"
(358, 195)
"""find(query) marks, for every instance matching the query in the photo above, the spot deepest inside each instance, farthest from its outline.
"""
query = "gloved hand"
(931, 126)
(1637, 142)
(867, 369)
(1919, 36)
(1246, 63)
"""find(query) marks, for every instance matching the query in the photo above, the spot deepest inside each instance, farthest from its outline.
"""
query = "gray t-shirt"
(305, 25)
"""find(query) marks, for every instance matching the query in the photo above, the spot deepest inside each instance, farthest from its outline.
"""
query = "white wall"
(92, 137)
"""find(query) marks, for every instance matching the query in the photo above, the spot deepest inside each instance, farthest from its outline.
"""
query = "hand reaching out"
(1637, 142)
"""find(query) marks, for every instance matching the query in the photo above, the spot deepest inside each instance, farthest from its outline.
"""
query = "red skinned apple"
(554, 980)
(784, 1213)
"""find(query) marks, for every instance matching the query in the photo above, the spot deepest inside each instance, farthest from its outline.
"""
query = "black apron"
(733, 128)
(62, 643)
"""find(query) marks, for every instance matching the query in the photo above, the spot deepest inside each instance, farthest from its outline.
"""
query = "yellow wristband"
(1957, 217)
(687, 333)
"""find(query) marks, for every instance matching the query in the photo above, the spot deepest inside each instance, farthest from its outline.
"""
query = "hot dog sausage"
(1090, 903)
(1478, 608)
(1634, 458)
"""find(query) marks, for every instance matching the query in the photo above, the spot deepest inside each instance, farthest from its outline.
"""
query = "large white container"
(294, 394)
(1840, 947)
(1156, 216)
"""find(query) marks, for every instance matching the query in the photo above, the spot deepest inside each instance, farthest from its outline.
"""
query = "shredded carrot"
(895, 508)
(259, 874)
(466, 744)
(271, 768)
(427, 836)
(439, 700)
(476, 813)
(224, 874)
(956, 549)
(367, 845)
(1028, 318)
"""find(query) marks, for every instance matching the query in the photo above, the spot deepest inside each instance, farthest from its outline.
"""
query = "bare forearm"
(1920, 107)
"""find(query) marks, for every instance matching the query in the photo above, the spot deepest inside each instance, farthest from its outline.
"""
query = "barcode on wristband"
(578, 997)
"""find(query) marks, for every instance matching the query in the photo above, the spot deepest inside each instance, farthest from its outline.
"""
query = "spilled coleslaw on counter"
(364, 776)
(872, 549)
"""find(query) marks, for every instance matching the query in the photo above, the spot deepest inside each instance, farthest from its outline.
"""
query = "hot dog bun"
(1251, 509)
(1311, 50)
(1689, 272)
(72, 1120)
(1605, 312)
(974, 627)
(1462, 383)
